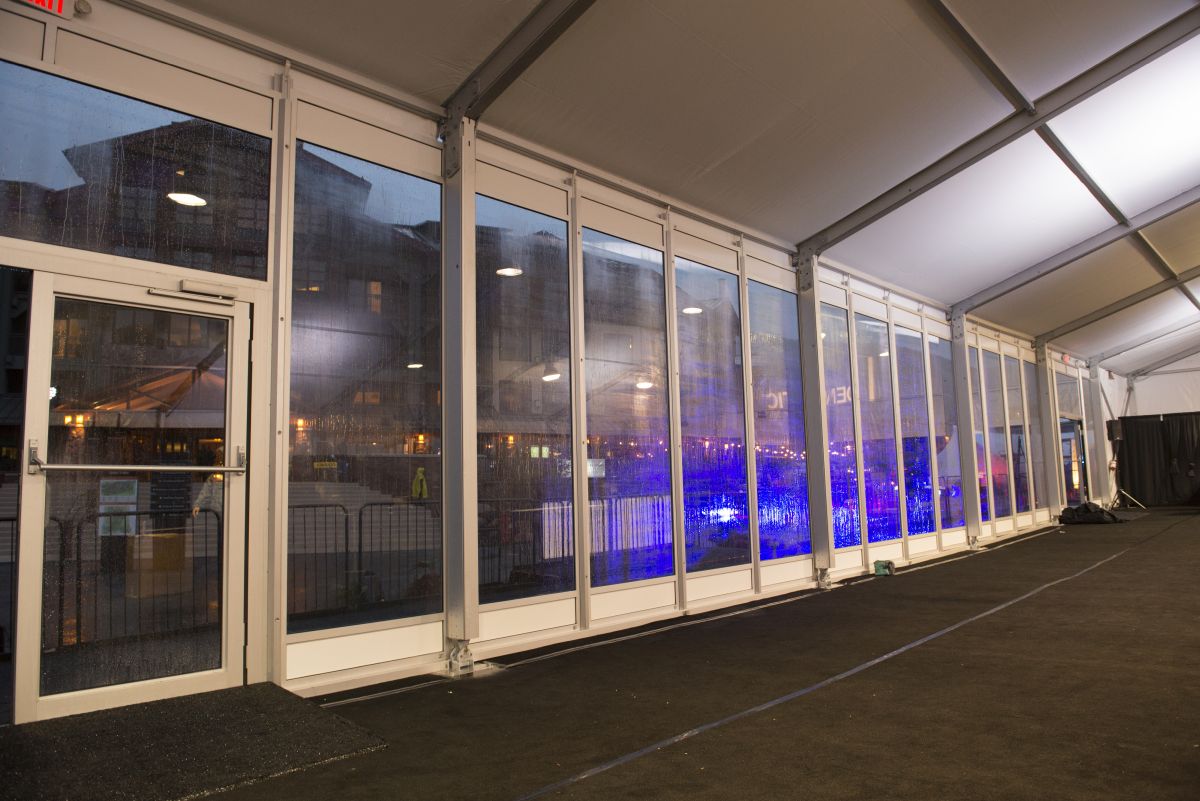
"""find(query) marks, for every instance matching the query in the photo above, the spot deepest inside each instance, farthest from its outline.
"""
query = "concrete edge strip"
(783, 699)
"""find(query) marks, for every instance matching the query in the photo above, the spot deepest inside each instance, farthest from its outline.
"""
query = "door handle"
(36, 466)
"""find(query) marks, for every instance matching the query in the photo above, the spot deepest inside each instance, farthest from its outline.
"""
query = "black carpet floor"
(1088, 689)
(180, 748)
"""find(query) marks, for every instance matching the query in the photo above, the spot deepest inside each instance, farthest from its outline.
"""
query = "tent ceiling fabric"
(1154, 351)
(424, 48)
(1016, 207)
(1177, 238)
(1103, 277)
(1146, 317)
(1042, 45)
(734, 108)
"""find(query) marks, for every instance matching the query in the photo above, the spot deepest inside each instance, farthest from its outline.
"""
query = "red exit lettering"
(53, 6)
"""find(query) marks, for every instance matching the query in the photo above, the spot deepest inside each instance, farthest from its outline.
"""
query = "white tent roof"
(791, 117)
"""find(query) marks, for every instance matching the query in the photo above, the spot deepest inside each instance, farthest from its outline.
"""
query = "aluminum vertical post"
(460, 474)
(751, 454)
(816, 421)
(1051, 444)
(960, 357)
(1098, 458)
(676, 420)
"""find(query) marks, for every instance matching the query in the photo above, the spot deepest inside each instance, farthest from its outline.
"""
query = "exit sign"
(59, 8)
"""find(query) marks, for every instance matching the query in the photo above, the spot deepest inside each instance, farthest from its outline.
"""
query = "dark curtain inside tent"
(1158, 461)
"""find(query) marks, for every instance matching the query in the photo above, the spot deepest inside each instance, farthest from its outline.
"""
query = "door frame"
(249, 625)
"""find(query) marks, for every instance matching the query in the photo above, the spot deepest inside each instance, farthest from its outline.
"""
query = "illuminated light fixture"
(644, 384)
(885, 354)
(301, 423)
(67, 420)
(53, 393)
(693, 310)
(187, 199)
(512, 271)
(415, 365)
(179, 193)
(552, 376)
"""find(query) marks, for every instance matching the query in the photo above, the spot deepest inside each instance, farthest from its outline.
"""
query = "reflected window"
(526, 531)
(997, 435)
(628, 430)
(85, 168)
(779, 448)
(1016, 433)
(1036, 452)
(881, 482)
(716, 508)
(945, 433)
(1070, 405)
(365, 464)
(839, 412)
(981, 466)
(914, 432)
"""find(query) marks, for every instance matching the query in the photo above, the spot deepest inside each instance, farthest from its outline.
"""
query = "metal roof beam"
(534, 36)
(1076, 252)
(1120, 305)
(1017, 124)
(979, 54)
(1178, 355)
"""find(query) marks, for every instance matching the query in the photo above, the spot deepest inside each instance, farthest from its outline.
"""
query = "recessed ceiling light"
(644, 384)
(415, 366)
(551, 376)
(510, 272)
(693, 310)
(187, 199)
(885, 353)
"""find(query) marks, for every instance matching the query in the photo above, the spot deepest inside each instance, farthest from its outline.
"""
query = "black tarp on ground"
(1158, 461)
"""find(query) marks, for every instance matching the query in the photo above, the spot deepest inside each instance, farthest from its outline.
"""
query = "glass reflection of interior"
(839, 411)
(365, 466)
(779, 449)
(1016, 433)
(628, 432)
(523, 347)
(132, 581)
(981, 465)
(14, 346)
(1074, 463)
(997, 434)
(914, 432)
(90, 169)
(881, 480)
(945, 433)
(716, 509)
(1036, 457)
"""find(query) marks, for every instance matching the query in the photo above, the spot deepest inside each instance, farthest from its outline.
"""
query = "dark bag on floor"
(1087, 513)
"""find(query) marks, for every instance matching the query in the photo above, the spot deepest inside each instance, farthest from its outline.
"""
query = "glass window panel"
(1036, 453)
(365, 470)
(1016, 433)
(881, 481)
(914, 431)
(780, 455)
(14, 346)
(945, 432)
(90, 169)
(981, 466)
(997, 436)
(1069, 403)
(132, 575)
(839, 413)
(712, 419)
(628, 429)
(526, 531)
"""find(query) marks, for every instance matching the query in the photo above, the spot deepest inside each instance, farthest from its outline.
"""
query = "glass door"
(1073, 460)
(133, 502)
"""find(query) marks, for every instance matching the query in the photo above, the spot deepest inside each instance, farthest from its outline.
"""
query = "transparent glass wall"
(90, 169)
(365, 463)
(997, 435)
(981, 466)
(779, 449)
(914, 432)
(881, 481)
(132, 583)
(1070, 405)
(628, 429)
(15, 288)
(945, 433)
(716, 511)
(523, 348)
(1016, 433)
(1036, 453)
(839, 412)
